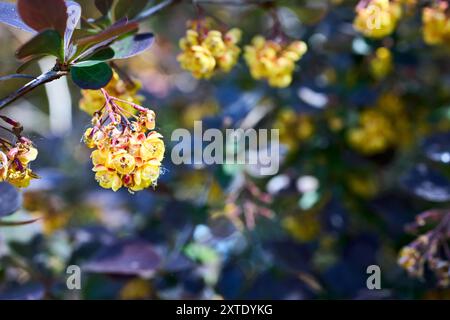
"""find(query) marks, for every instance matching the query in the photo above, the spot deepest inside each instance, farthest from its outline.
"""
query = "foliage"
(361, 102)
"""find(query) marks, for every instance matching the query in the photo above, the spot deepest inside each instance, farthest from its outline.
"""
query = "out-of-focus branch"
(17, 76)
(43, 78)
(151, 11)
(234, 2)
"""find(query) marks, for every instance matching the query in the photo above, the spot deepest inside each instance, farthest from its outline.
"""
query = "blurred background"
(364, 136)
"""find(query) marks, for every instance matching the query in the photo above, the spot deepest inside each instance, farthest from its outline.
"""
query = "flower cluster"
(92, 99)
(15, 157)
(436, 24)
(429, 249)
(271, 60)
(293, 128)
(386, 125)
(377, 18)
(206, 51)
(128, 153)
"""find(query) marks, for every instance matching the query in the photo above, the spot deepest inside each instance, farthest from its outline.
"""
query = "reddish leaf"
(111, 32)
(44, 14)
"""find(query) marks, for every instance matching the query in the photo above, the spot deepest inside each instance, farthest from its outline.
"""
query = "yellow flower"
(15, 160)
(204, 53)
(108, 179)
(270, 60)
(20, 178)
(293, 128)
(381, 64)
(378, 18)
(436, 24)
(28, 154)
(152, 148)
(124, 163)
(127, 153)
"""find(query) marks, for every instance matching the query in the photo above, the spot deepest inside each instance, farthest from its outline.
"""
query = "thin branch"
(234, 2)
(151, 11)
(17, 76)
(43, 78)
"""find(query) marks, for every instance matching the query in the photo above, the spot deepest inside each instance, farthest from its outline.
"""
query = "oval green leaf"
(91, 74)
(48, 42)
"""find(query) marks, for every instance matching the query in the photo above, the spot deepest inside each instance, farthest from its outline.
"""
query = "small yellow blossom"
(378, 18)
(436, 24)
(15, 160)
(207, 51)
(381, 64)
(270, 60)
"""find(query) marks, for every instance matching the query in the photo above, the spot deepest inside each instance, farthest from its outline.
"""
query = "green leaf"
(102, 54)
(44, 14)
(48, 42)
(132, 45)
(128, 9)
(91, 74)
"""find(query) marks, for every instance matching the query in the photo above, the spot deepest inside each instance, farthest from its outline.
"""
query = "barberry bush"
(92, 91)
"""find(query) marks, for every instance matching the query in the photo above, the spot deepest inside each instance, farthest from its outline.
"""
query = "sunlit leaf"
(132, 45)
(10, 16)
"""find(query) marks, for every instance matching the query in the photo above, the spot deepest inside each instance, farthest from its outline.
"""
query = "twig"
(43, 78)
(17, 76)
(151, 11)
(235, 2)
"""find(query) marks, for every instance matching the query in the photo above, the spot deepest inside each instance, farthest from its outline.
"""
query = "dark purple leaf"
(132, 45)
(10, 199)
(10, 16)
(427, 184)
(44, 14)
(132, 257)
(437, 147)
